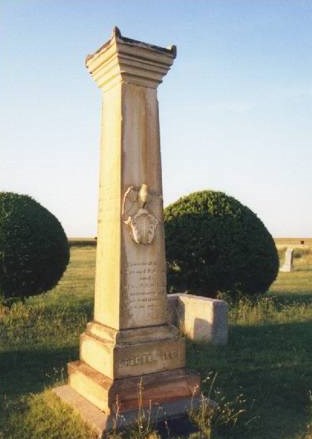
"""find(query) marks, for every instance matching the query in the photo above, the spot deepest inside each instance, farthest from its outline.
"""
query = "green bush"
(215, 244)
(34, 250)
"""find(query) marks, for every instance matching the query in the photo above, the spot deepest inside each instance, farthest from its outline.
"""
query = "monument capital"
(123, 59)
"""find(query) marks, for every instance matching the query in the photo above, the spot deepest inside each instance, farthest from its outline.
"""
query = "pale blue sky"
(235, 109)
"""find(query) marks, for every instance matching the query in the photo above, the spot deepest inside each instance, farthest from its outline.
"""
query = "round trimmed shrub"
(216, 244)
(34, 250)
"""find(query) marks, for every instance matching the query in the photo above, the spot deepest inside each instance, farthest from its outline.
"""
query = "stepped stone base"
(101, 422)
(129, 393)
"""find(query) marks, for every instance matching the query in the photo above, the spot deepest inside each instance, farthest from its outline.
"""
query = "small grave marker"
(288, 262)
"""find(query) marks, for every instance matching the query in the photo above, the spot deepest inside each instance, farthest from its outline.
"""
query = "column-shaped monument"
(130, 339)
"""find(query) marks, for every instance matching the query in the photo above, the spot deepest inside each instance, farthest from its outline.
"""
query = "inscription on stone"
(137, 360)
(149, 358)
(169, 355)
(145, 286)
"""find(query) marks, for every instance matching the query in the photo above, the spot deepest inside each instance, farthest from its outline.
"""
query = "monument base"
(130, 393)
(101, 422)
(132, 352)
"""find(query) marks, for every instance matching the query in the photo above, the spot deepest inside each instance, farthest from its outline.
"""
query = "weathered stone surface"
(130, 289)
(102, 422)
(133, 352)
(130, 344)
(199, 318)
(131, 392)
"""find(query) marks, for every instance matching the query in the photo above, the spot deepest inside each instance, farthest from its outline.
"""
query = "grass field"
(265, 371)
(295, 242)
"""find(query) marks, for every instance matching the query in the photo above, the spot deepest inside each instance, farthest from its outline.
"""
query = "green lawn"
(267, 362)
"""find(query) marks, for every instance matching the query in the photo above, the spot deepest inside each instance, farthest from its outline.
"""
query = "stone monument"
(130, 340)
(288, 265)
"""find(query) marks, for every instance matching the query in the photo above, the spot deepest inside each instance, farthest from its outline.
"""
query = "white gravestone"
(288, 262)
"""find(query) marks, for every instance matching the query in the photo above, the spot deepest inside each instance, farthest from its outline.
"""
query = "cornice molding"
(122, 59)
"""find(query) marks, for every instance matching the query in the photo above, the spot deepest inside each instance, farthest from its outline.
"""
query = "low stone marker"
(288, 263)
(199, 318)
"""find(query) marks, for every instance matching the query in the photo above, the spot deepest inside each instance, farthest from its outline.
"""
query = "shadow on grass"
(271, 366)
(305, 268)
(31, 371)
(289, 298)
(23, 372)
(293, 299)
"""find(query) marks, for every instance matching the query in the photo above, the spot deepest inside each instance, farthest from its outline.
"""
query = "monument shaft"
(130, 272)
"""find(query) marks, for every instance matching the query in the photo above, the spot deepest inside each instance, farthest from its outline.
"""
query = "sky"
(235, 108)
